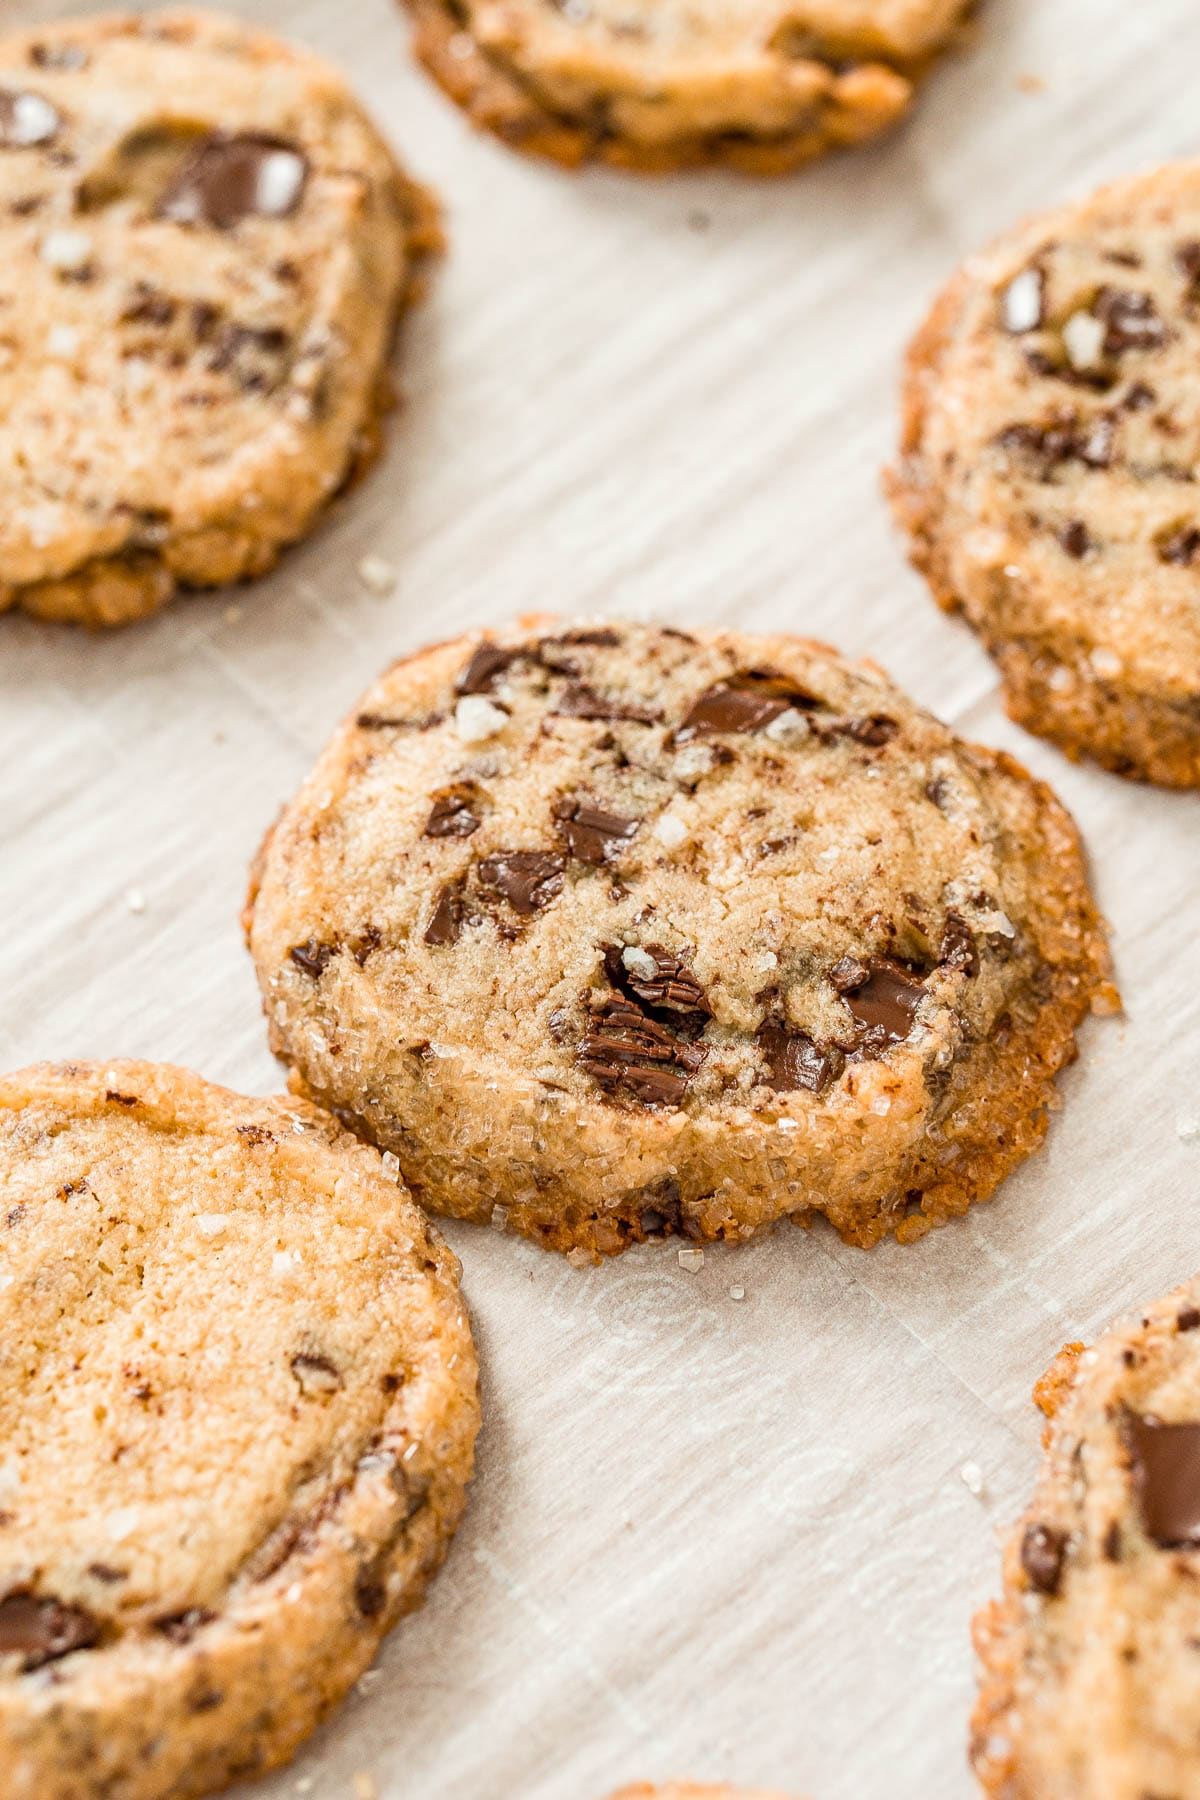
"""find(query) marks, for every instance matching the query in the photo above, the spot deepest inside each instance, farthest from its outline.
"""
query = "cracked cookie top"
(652, 869)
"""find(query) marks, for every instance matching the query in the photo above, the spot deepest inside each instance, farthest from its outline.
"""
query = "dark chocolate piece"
(228, 179)
(1042, 1552)
(1165, 1461)
(1131, 321)
(528, 879)
(578, 701)
(452, 813)
(672, 988)
(488, 662)
(1180, 546)
(592, 835)
(449, 915)
(40, 1629)
(747, 701)
(795, 1061)
(958, 946)
(312, 956)
(883, 998)
(623, 1048)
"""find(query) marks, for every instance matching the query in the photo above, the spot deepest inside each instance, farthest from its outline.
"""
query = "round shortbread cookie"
(204, 247)
(658, 84)
(1048, 472)
(1091, 1673)
(237, 1417)
(613, 931)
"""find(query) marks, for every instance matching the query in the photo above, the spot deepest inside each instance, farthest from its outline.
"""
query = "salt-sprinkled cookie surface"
(611, 931)
(756, 84)
(1048, 471)
(1091, 1674)
(204, 245)
(237, 1418)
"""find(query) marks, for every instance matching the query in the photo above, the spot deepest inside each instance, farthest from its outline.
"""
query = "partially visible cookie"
(611, 931)
(204, 247)
(1048, 471)
(1091, 1661)
(689, 1790)
(760, 85)
(237, 1416)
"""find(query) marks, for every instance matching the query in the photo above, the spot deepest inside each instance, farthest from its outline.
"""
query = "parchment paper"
(727, 1538)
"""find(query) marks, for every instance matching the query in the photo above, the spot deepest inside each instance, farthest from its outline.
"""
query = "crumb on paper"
(362, 1786)
(135, 900)
(1188, 1127)
(737, 1292)
(1029, 83)
(691, 1259)
(232, 614)
(972, 1478)
(377, 574)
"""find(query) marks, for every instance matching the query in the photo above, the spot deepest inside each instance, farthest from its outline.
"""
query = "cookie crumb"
(135, 900)
(737, 1293)
(377, 575)
(972, 1478)
(363, 1786)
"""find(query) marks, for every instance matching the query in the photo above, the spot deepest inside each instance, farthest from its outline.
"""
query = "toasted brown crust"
(862, 102)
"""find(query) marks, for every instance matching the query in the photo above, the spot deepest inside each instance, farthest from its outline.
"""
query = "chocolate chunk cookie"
(204, 246)
(1049, 467)
(657, 84)
(237, 1415)
(611, 932)
(1091, 1667)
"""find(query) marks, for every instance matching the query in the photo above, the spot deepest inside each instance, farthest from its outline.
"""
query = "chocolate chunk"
(452, 813)
(528, 879)
(41, 1630)
(625, 1049)
(149, 305)
(1111, 1547)
(26, 120)
(1165, 1461)
(381, 722)
(672, 987)
(116, 1099)
(256, 1134)
(315, 1374)
(578, 701)
(876, 730)
(1188, 1319)
(181, 1627)
(312, 956)
(488, 662)
(958, 946)
(1131, 321)
(1074, 538)
(228, 179)
(1138, 398)
(794, 1060)
(592, 836)
(1187, 261)
(449, 915)
(370, 1590)
(253, 357)
(745, 702)
(1049, 447)
(601, 638)
(1042, 1552)
(1180, 546)
(883, 998)
(59, 56)
(849, 974)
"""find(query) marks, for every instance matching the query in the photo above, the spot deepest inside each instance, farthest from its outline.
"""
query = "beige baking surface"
(715, 1536)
